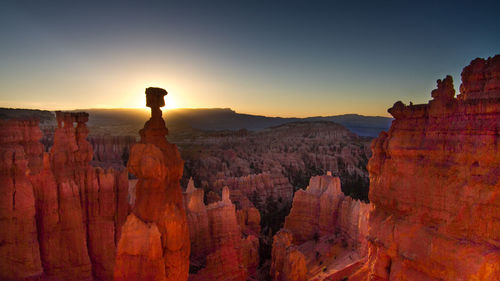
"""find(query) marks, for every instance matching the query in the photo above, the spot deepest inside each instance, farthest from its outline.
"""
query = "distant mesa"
(121, 121)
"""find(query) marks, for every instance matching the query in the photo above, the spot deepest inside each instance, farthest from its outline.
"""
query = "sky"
(274, 58)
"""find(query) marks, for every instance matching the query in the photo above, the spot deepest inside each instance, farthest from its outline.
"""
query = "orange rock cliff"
(435, 185)
(154, 244)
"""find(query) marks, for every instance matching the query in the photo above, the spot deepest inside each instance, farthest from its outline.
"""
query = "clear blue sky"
(277, 58)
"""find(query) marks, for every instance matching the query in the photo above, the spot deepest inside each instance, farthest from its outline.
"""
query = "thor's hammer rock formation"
(155, 238)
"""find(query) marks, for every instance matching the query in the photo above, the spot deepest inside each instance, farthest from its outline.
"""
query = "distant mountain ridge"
(207, 119)
(228, 119)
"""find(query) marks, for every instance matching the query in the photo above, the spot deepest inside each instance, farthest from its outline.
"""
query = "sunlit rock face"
(220, 248)
(78, 209)
(155, 239)
(434, 184)
(324, 232)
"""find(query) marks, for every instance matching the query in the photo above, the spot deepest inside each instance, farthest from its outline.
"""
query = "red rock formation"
(76, 206)
(249, 221)
(19, 248)
(323, 209)
(288, 263)
(324, 232)
(199, 231)
(217, 240)
(435, 185)
(158, 207)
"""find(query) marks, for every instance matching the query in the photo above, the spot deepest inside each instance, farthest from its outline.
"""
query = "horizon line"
(191, 108)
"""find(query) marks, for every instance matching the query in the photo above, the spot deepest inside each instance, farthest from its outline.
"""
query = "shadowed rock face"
(155, 239)
(435, 185)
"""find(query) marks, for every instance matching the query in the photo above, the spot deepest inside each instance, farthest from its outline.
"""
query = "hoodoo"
(155, 239)
(57, 201)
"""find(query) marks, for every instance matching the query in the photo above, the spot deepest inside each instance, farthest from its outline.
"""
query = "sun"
(170, 102)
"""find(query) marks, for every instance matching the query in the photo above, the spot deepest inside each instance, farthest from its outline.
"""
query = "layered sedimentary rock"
(78, 209)
(155, 239)
(19, 248)
(324, 232)
(220, 249)
(435, 185)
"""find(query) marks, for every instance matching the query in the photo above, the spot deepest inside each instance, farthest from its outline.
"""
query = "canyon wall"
(78, 210)
(224, 245)
(435, 185)
(324, 232)
(154, 244)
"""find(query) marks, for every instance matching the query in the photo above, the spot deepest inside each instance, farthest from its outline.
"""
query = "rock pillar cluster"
(154, 244)
(322, 223)
(67, 212)
(19, 246)
(221, 248)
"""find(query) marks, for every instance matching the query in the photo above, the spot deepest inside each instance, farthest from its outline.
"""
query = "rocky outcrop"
(288, 263)
(323, 209)
(155, 239)
(76, 206)
(324, 232)
(249, 221)
(199, 231)
(435, 185)
(19, 247)
(220, 249)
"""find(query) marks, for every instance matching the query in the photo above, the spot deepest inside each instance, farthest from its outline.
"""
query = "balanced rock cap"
(154, 97)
